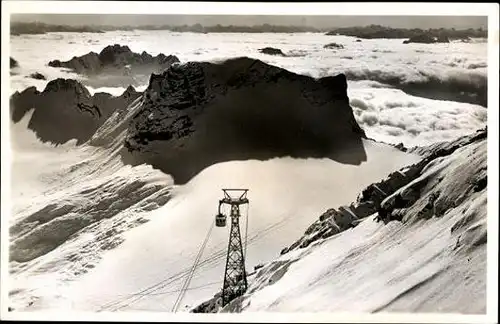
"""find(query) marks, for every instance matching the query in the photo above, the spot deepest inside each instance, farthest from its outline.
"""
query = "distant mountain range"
(19, 28)
(367, 32)
(377, 31)
(42, 28)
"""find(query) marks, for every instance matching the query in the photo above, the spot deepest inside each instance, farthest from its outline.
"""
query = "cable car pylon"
(235, 278)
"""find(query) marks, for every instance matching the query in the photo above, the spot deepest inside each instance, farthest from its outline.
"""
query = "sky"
(458, 22)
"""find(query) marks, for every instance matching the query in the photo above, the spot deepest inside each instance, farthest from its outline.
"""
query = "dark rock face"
(65, 110)
(401, 147)
(427, 39)
(464, 39)
(442, 39)
(37, 76)
(13, 63)
(210, 306)
(20, 103)
(423, 38)
(116, 65)
(198, 114)
(334, 46)
(271, 51)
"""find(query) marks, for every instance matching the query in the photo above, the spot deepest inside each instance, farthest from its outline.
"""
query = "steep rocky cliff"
(65, 110)
(197, 114)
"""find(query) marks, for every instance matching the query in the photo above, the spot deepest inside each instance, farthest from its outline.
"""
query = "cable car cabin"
(220, 220)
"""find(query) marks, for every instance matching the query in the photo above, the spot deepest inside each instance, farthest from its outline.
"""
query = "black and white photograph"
(247, 162)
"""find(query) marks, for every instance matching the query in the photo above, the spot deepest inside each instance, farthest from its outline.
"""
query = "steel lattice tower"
(235, 279)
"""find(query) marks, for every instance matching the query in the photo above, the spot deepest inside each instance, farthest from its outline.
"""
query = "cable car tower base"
(235, 279)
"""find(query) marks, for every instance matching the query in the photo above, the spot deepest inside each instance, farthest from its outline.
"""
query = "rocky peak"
(176, 86)
(129, 92)
(13, 63)
(116, 65)
(170, 59)
(29, 90)
(66, 110)
(66, 85)
(21, 102)
(271, 51)
(334, 46)
(109, 53)
(204, 80)
(188, 110)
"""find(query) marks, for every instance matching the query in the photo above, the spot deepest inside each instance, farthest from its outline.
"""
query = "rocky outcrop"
(439, 149)
(406, 195)
(334, 221)
(198, 114)
(271, 51)
(116, 65)
(13, 63)
(442, 39)
(427, 39)
(210, 306)
(65, 110)
(37, 76)
(464, 39)
(423, 38)
(334, 46)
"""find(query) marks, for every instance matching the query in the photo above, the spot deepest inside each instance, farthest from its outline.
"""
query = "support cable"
(193, 269)
(246, 232)
(129, 299)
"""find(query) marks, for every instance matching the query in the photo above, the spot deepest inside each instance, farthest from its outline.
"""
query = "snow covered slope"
(432, 261)
(285, 195)
(88, 198)
(70, 205)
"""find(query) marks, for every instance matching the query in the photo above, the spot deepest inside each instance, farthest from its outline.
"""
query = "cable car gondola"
(220, 220)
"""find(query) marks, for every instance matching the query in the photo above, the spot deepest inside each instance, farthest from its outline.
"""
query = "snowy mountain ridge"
(443, 195)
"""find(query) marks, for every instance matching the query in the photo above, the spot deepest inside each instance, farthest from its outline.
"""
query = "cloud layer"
(376, 69)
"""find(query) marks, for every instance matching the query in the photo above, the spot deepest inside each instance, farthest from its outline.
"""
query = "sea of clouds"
(377, 71)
